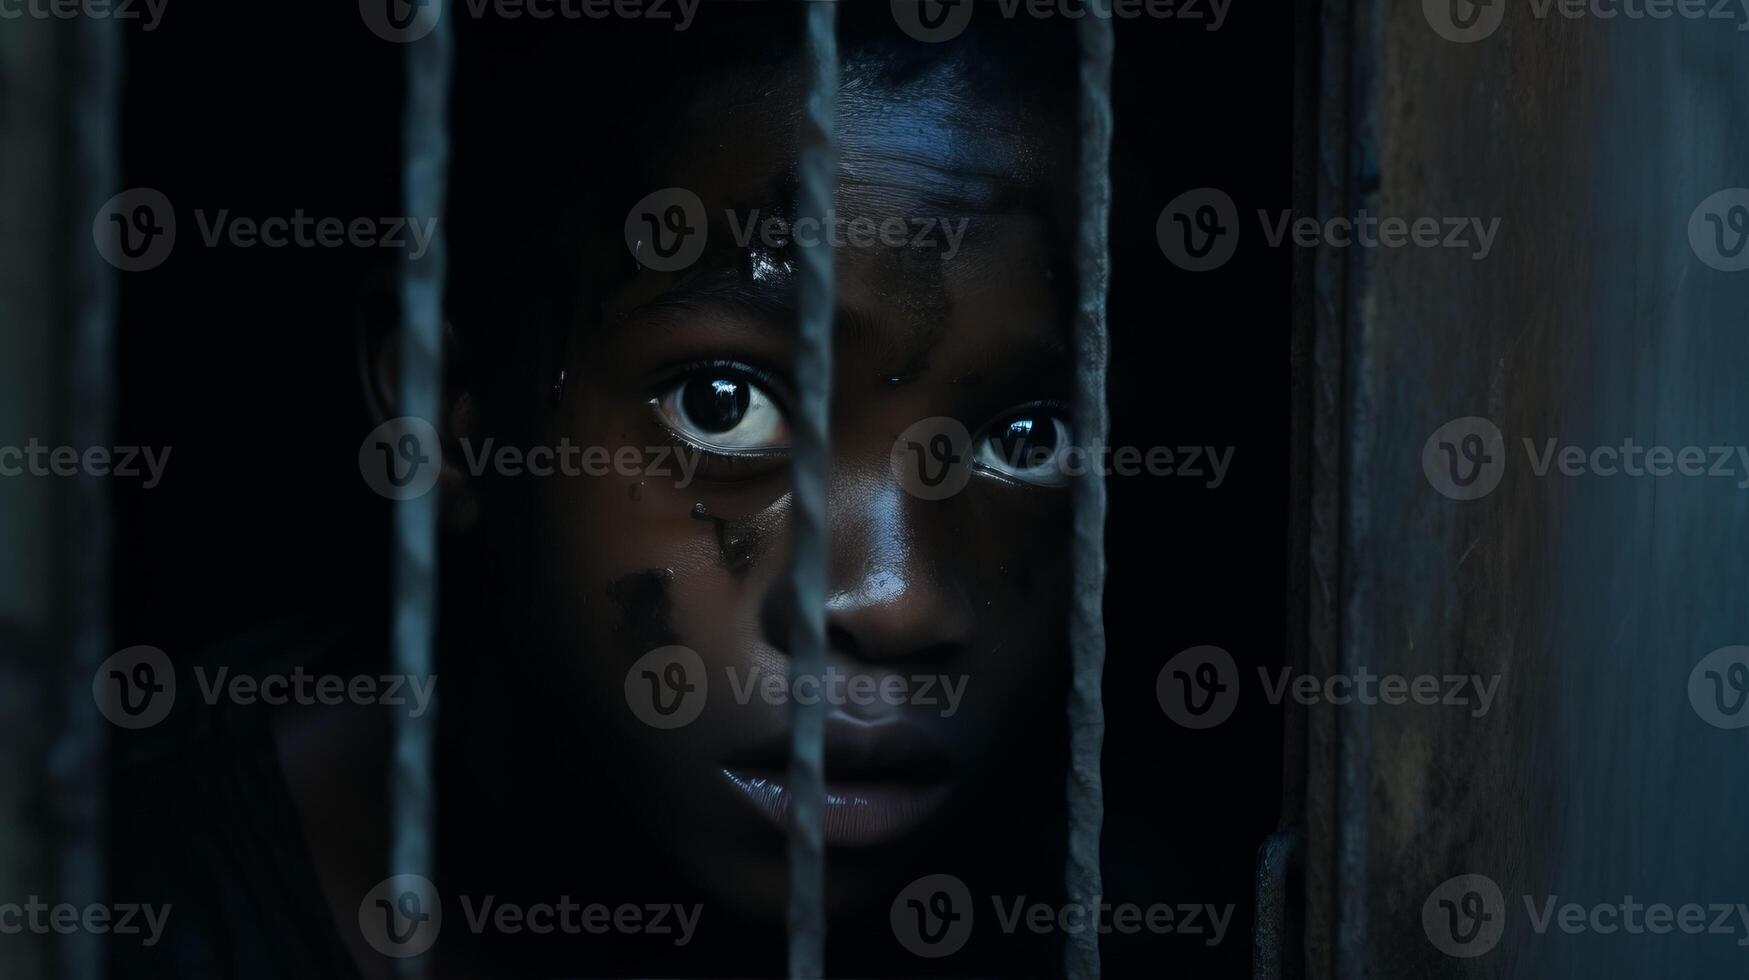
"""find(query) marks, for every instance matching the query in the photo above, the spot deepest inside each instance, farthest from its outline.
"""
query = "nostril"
(841, 640)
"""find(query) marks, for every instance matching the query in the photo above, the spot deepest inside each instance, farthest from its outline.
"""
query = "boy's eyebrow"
(767, 297)
(766, 301)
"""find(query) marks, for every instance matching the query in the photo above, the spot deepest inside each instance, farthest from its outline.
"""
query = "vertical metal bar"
(33, 680)
(425, 182)
(1354, 588)
(810, 462)
(1086, 615)
(1324, 732)
(78, 766)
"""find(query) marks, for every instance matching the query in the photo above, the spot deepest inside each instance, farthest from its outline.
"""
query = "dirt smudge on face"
(645, 611)
(740, 540)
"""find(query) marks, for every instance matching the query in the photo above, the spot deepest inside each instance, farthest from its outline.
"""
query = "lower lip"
(857, 814)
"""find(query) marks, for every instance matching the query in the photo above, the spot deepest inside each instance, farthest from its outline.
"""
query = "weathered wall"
(1593, 597)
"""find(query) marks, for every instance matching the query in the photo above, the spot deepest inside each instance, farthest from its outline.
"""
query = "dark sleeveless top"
(202, 819)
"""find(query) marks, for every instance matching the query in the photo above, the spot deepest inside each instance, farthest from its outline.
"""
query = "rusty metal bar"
(1086, 614)
(78, 768)
(810, 461)
(425, 182)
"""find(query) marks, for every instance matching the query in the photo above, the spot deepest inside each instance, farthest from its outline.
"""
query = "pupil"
(717, 405)
(1024, 443)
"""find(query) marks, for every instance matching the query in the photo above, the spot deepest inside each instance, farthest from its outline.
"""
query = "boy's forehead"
(923, 146)
(947, 212)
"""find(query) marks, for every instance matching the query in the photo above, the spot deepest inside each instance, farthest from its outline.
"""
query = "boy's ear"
(378, 361)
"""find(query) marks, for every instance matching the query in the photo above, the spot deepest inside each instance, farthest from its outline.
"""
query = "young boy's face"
(946, 606)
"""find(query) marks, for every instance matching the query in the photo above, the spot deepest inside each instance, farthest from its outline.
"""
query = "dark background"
(244, 361)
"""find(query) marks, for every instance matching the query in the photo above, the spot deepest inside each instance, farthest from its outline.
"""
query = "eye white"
(1043, 467)
(761, 426)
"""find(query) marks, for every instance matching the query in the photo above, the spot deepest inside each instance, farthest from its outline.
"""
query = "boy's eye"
(724, 410)
(1026, 445)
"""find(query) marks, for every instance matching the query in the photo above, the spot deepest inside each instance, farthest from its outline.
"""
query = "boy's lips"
(882, 780)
